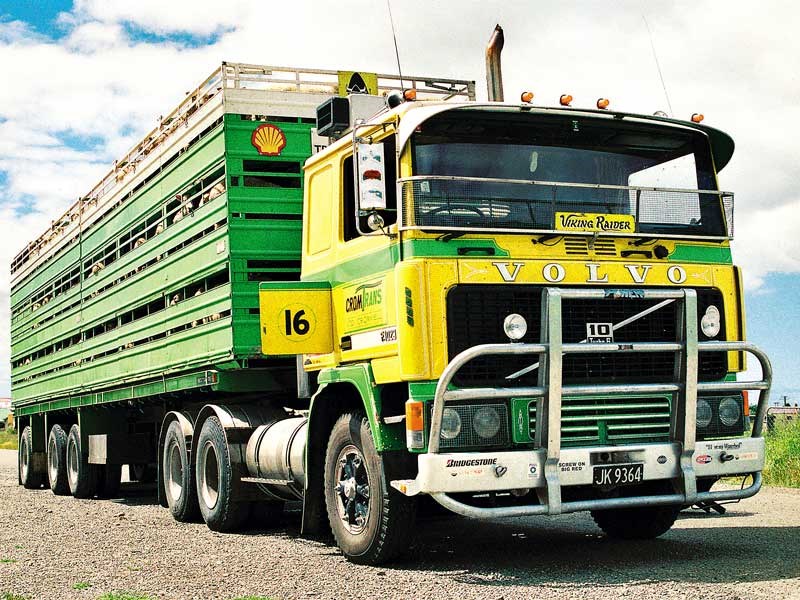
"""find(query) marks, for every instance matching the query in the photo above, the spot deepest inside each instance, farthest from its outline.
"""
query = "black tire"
(218, 482)
(643, 523)
(142, 472)
(29, 476)
(81, 476)
(371, 524)
(109, 480)
(57, 461)
(179, 487)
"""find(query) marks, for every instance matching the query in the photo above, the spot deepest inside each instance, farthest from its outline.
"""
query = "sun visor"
(722, 145)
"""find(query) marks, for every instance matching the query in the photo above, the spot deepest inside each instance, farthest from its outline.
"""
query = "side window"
(320, 205)
(349, 197)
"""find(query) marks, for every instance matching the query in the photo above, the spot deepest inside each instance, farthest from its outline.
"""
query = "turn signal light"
(697, 117)
(526, 97)
(602, 103)
(415, 424)
(565, 99)
(410, 95)
(746, 395)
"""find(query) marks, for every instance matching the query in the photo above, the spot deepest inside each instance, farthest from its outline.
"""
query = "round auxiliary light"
(565, 99)
(710, 323)
(697, 117)
(703, 413)
(602, 103)
(515, 327)
(486, 422)
(451, 424)
(526, 97)
(729, 411)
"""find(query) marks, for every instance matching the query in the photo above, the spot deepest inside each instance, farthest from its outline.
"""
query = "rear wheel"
(218, 484)
(642, 523)
(372, 523)
(179, 487)
(81, 476)
(57, 461)
(29, 476)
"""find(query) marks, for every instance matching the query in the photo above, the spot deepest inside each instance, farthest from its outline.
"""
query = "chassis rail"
(682, 435)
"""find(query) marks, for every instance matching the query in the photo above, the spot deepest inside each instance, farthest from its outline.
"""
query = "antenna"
(658, 66)
(396, 51)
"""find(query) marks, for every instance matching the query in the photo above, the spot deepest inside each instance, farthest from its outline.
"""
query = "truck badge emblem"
(500, 470)
(504, 270)
(268, 139)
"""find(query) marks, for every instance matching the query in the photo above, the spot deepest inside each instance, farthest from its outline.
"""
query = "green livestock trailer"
(140, 304)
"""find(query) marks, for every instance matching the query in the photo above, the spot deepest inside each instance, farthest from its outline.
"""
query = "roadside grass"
(783, 455)
(8, 560)
(252, 598)
(81, 585)
(123, 596)
(8, 439)
(10, 596)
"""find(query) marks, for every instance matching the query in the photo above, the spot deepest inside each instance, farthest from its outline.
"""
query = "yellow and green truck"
(352, 290)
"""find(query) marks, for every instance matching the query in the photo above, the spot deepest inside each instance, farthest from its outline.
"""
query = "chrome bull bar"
(550, 389)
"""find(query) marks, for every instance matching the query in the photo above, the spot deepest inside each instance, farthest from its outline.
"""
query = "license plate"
(618, 474)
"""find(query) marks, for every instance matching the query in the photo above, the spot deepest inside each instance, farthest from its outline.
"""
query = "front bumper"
(550, 468)
(486, 472)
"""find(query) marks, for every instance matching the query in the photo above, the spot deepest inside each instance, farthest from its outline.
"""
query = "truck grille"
(475, 316)
(610, 420)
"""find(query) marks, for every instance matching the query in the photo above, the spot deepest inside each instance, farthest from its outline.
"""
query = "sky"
(85, 79)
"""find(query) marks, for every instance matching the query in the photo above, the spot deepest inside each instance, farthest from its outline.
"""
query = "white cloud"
(102, 84)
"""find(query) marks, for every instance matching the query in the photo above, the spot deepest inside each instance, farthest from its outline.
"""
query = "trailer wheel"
(109, 481)
(142, 472)
(218, 484)
(57, 461)
(29, 477)
(81, 476)
(179, 486)
(642, 523)
(372, 523)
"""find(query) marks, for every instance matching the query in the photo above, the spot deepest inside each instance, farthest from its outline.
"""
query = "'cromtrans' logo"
(365, 296)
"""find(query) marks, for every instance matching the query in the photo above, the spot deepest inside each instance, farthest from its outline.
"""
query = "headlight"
(703, 413)
(515, 326)
(486, 422)
(451, 424)
(729, 411)
(710, 322)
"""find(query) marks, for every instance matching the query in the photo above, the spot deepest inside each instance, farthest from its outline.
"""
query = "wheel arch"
(341, 391)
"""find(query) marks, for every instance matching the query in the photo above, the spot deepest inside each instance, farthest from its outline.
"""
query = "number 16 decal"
(296, 324)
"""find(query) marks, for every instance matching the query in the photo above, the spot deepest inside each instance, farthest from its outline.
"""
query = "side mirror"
(371, 178)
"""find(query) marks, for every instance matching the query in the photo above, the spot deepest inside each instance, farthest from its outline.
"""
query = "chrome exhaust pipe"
(494, 73)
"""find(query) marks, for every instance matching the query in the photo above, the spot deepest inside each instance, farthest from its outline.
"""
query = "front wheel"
(372, 522)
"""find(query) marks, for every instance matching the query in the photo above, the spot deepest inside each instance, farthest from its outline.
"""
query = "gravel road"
(48, 544)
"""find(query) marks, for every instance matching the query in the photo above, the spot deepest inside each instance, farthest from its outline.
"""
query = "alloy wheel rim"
(352, 489)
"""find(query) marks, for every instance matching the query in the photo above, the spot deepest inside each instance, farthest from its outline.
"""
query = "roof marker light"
(660, 113)
(697, 117)
(526, 97)
(565, 99)
(602, 103)
(410, 95)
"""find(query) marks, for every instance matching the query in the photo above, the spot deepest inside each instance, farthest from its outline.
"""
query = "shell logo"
(269, 140)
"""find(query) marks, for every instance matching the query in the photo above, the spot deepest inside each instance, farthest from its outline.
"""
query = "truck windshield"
(483, 170)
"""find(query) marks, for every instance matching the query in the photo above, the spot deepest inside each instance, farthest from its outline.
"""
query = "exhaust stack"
(494, 74)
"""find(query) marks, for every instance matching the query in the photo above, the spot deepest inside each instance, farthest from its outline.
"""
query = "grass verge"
(8, 439)
(783, 455)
